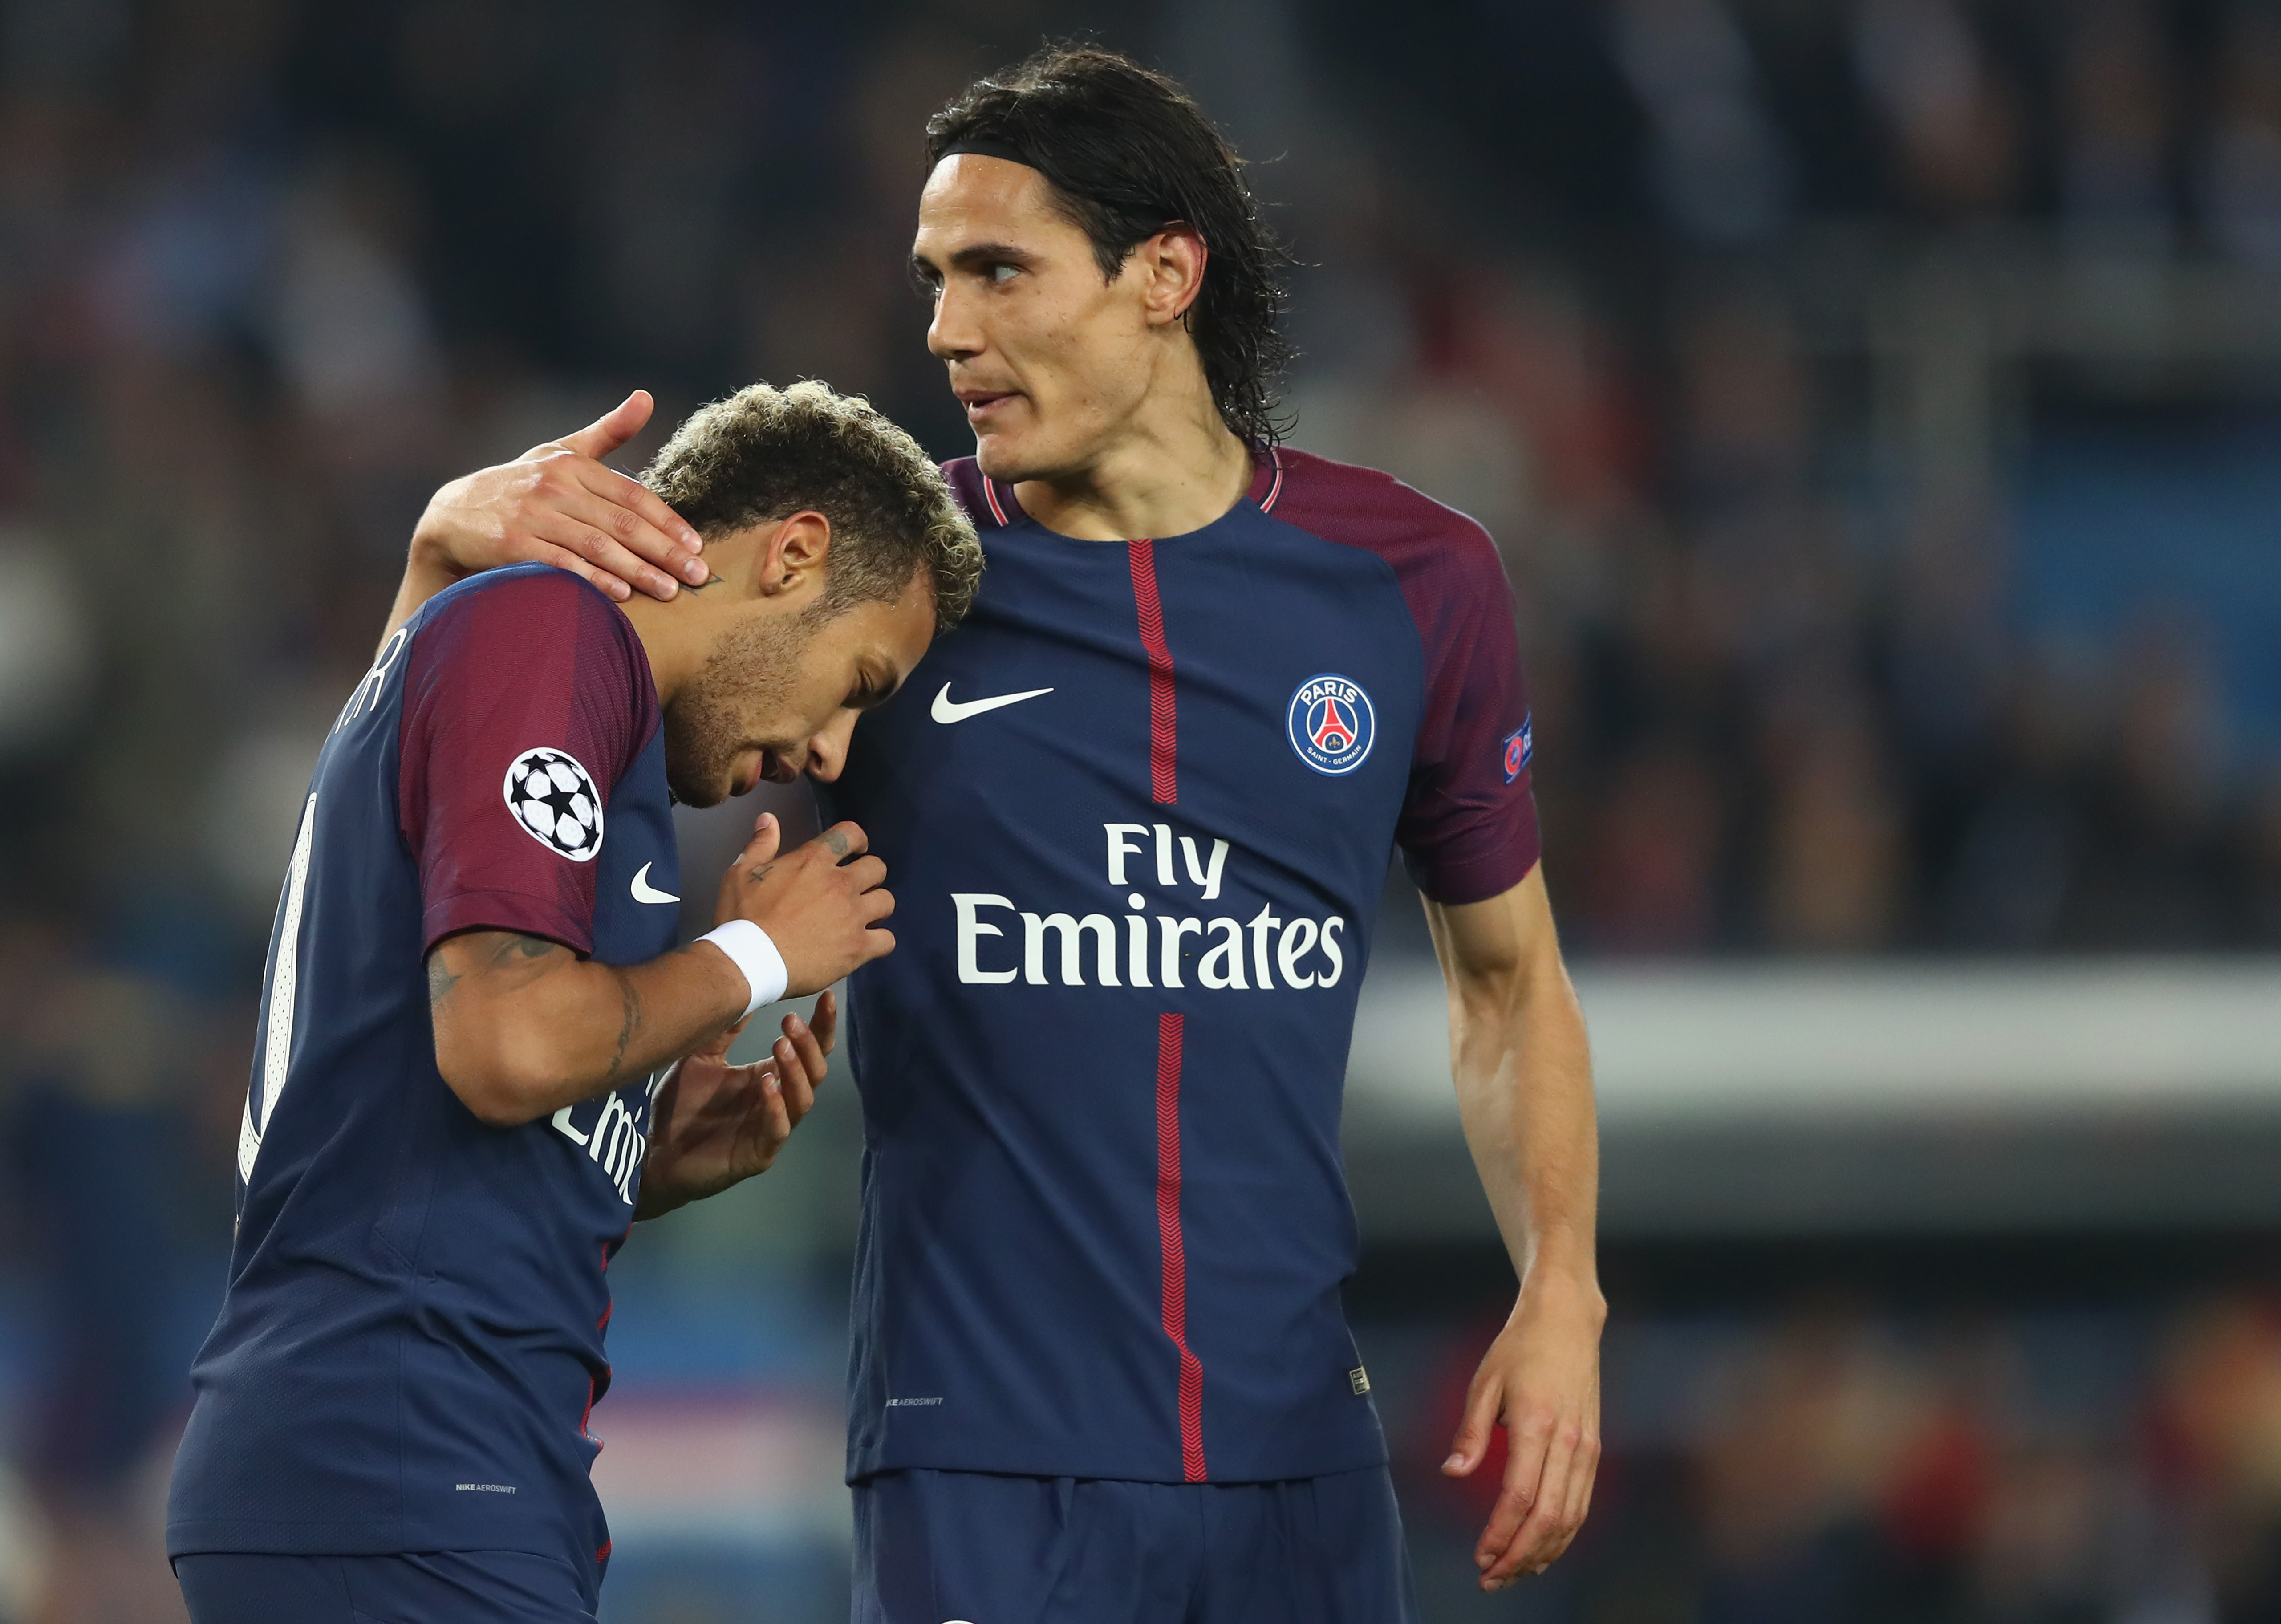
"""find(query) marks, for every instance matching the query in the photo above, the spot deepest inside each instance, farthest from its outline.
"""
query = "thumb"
(1471, 1445)
(613, 429)
(768, 836)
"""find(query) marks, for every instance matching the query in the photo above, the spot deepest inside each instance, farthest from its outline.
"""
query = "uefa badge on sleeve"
(1331, 724)
(1520, 749)
(553, 797)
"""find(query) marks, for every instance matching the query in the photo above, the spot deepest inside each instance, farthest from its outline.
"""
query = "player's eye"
(1004, 273)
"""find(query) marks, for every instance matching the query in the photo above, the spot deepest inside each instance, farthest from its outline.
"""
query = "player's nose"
(951, 334)
(827, 752)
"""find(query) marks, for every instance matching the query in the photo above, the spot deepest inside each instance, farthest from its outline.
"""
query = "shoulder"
(1442, 558)
(532, 630)
(533, 608)
(519, 593)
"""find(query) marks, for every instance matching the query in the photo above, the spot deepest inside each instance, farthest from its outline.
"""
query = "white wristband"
(750, 950)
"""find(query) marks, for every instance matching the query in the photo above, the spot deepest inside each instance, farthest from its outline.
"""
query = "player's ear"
(791, 560)
(1174, 260)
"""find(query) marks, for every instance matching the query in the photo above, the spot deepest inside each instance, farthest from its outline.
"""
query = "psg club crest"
(554, 798)
(1520, 748)
(1331, 724)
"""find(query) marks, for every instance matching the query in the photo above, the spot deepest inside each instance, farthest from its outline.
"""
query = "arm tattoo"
(514, 942)
(629, 1024)
(498, 950)
(760, 873)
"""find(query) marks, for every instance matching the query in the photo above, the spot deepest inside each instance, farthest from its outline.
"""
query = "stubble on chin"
(748, 676)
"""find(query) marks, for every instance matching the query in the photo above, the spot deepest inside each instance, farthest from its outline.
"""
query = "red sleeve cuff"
(1457, 881)
(505, 910)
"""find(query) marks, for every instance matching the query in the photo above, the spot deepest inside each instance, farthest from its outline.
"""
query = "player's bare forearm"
(1524, 1078)
(524, 1026)
(1523, 1073)
(557, 504)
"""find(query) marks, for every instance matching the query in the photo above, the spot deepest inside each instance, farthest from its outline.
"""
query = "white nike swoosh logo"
(947, 709)
(644, 891)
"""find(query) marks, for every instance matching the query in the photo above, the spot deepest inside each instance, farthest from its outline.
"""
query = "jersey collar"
(1266, 489)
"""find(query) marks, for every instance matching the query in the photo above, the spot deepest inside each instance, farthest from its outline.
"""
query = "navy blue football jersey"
(412, 1335)
(1138, 813)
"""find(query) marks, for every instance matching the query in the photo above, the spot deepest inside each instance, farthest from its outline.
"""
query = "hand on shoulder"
(558, 503)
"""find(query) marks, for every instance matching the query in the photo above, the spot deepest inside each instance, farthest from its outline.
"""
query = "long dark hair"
(1128, 152)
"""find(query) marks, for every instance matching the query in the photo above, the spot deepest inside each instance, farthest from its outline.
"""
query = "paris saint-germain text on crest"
(1331, 723)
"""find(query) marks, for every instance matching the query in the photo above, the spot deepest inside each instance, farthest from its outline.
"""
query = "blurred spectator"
(2115, 135)
(1719, 168)
(2217, 1437)
(1952, 124)
(2260, 900)
(2152, 876)
(1834, 840)
(104, 1087)
(2241, 159)
(1649, 881)
(2019, 853)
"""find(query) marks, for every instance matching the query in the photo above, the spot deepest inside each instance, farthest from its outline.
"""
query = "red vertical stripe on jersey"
(1164, 730)
(1175, 1251)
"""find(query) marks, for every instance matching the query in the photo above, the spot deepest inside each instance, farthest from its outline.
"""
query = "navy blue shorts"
(936, 1546)
(444, 1587)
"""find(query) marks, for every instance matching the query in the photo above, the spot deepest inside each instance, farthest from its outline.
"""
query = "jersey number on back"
(277, 1051)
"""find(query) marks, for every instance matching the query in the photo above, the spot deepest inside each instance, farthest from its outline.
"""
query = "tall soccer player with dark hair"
(465, 1090)
(1141, 809)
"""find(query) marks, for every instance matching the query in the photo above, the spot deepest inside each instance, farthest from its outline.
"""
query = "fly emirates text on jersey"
(1259, 953)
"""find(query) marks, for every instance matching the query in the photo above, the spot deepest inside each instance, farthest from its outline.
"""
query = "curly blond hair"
(764, 453)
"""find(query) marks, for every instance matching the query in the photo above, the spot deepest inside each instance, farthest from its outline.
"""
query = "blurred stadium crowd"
(274, 271)
(1727, 316)
(1827, 1465)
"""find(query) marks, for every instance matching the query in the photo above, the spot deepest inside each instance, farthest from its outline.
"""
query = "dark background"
(1877, 402)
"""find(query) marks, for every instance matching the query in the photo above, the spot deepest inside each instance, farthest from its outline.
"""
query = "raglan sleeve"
(521, 711)
(1468, 829)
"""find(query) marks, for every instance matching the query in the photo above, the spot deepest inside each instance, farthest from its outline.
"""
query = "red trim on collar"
(1270, 477)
